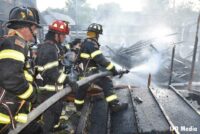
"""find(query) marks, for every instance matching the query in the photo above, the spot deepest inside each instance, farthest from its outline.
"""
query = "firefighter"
(16, 88)
(51, 76)
(93, 61)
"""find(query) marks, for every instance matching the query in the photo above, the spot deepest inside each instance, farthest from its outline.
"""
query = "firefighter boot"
(116, 106)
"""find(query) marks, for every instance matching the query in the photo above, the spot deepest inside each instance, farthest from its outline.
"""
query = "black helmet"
(35, 12)
(23, 15)
(94, 27)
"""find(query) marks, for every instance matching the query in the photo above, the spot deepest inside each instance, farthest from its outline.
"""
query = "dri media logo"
(184, 128)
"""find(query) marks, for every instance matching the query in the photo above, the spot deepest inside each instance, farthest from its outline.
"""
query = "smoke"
(124, 24)
(152, 65)
(157, 24)
(123, 29)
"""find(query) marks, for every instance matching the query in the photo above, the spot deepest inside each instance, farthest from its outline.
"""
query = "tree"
(107, 10)
(80, 11)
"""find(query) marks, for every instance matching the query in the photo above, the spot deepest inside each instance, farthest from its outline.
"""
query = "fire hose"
(46, 104)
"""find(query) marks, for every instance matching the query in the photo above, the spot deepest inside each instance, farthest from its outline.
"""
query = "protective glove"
(114, 72)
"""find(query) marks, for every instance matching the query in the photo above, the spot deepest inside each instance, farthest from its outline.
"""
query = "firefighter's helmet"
(23, 15)
(59, 26)
(94, 27)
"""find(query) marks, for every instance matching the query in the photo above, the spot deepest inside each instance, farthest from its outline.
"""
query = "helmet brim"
(23, 21)
(55, 31)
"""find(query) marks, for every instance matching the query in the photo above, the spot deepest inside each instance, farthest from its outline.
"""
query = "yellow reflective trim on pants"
(78, 101)
(47, 66)
(62, 77)
(27, 93)
(28, 76)
(4, 119)
(95, 53)
(111, 98)
(51, 88)
(110, 66)
(85, 55)
(57, 125)
(21, 117)
(12, 54)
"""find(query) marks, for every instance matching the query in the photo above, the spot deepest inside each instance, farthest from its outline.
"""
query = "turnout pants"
(105, 83)
(51, 116)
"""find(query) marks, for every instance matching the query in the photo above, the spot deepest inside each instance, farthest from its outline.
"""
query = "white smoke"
(151, 66)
